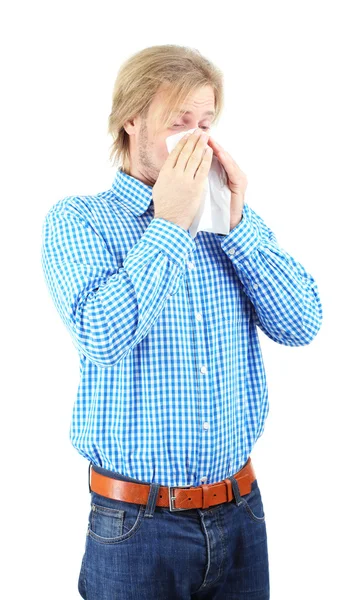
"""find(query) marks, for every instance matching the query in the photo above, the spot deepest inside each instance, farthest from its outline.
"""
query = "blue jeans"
(133, 551)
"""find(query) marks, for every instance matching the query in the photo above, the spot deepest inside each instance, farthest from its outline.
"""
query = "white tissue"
(214, 211)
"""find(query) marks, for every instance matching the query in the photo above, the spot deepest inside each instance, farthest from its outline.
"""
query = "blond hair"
(178, 69)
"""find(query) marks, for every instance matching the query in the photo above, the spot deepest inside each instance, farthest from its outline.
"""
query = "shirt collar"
(133, 193)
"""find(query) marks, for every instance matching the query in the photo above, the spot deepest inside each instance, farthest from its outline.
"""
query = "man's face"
(148, 149)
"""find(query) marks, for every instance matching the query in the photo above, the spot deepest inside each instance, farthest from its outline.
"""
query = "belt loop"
(235, 489)
(151, 502)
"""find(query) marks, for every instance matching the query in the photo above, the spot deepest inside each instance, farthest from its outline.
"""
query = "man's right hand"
(178, 189)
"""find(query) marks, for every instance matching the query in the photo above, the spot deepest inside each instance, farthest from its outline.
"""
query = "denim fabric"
(218, 553)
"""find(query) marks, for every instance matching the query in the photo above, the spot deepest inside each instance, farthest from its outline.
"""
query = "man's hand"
(177, 193)
(237, 182)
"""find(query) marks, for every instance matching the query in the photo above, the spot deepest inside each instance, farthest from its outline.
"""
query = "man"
(173, 393)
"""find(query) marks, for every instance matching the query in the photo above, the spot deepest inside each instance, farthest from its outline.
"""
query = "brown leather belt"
(174, 498)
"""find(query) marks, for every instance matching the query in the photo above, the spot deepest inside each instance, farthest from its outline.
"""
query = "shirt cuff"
(243, 239)
(171, 239)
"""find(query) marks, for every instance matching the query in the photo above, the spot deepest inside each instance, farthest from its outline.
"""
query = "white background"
(291, 122)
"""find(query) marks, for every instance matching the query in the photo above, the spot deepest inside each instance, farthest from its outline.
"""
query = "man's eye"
(182, 126)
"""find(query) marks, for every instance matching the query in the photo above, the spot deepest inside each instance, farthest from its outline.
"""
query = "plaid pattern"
(172, 385)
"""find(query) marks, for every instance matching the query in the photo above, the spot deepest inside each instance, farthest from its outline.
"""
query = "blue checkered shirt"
(172, 382)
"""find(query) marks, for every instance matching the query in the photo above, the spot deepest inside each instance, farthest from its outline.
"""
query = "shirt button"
(199, 316)
(203, 479)
(203, 369)
(232, 251)
(255, 286)
(206, 425)
(168, 296)
(282, 331)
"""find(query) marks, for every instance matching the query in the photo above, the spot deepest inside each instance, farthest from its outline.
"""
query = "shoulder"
(89, 208)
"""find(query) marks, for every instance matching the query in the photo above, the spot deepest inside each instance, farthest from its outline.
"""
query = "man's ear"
(129, 126)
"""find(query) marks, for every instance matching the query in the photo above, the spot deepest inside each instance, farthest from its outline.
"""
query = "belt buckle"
(172, 498)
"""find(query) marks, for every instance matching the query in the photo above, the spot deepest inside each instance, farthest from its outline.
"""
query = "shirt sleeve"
(284, 296)
(106, 308)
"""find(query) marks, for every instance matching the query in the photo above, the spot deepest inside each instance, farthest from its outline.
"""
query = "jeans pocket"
(112, 521)
(252, 504)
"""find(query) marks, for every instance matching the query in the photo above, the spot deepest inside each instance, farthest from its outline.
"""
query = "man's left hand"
(237, 182)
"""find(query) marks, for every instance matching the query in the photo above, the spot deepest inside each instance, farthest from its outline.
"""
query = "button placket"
(203, 368)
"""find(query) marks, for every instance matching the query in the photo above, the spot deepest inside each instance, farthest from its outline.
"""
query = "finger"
(212, 141)
(173, 155)
(194, 158)
(186, 152)
(205, 164)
